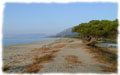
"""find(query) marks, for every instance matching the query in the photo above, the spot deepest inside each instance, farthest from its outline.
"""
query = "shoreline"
(32, 42)
(29, 43)
(56, 38)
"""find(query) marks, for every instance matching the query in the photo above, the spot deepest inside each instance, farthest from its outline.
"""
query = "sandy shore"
(65, 55)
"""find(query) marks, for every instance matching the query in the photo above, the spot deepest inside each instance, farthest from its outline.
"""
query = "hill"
(67, 33)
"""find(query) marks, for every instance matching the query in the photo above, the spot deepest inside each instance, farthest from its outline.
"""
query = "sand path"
(73, 58)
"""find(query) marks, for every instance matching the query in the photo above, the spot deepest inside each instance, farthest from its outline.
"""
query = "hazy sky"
(21, 18)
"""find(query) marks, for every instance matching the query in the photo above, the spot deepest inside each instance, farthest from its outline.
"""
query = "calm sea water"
(14, 41)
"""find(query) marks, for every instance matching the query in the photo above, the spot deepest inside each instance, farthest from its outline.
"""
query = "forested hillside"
(66, 33)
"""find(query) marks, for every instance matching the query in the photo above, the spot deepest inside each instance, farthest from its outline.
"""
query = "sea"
(23, 40)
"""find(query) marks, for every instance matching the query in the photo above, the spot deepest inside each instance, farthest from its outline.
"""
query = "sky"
(52, 18)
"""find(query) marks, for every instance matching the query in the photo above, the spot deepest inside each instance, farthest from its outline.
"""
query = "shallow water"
(109, 44)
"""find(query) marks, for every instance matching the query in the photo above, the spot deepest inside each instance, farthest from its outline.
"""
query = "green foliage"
(98, 28)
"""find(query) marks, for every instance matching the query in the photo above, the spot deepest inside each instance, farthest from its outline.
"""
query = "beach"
(65, 55)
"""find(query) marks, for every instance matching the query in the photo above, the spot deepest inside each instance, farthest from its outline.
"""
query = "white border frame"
(2, 6)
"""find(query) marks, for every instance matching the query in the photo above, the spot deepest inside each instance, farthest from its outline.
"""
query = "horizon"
(52, 18)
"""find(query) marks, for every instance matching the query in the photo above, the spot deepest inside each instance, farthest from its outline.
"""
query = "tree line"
(97, 29)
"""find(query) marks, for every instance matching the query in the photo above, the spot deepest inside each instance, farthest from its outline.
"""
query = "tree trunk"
(92, 41)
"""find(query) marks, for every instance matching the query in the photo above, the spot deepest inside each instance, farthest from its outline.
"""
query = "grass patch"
(54, 51)
(46, 58)
(110, 69)
(43, 48)
(33, 68)
(72, 59)
(106, 57)
(36, 66)
(60, 46)
(110, 41)
(101, 41)
(6, 67)
(70, 41)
